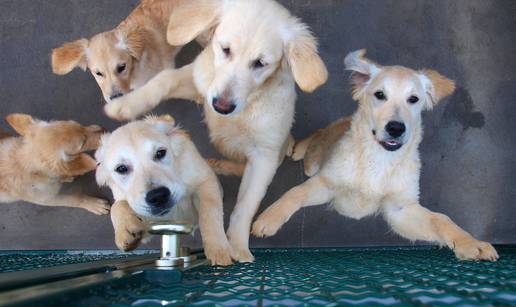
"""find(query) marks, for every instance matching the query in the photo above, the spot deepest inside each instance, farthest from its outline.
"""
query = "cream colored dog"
(370, 163)
(125, 58)
(245, 80)
(34, 166)
(154, 168)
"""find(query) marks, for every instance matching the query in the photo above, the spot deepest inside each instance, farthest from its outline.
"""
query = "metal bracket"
(172, 254)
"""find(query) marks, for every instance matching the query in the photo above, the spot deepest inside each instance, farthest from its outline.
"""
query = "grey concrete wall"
(468, 151)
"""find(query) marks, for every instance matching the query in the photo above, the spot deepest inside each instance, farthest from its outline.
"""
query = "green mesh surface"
(369, 277)
(19, 261)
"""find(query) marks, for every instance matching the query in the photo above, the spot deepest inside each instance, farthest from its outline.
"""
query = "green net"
(20, 261)
(359, 276)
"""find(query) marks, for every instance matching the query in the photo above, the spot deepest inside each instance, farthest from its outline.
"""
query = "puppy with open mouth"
(370, 163)
(156, 174)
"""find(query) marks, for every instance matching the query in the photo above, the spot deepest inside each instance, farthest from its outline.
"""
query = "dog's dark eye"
(122, 169)
(413, 99)
(98, 73)
(226, 50)
(257, 64)
(380, 95)
(160, 154)
(120, 68)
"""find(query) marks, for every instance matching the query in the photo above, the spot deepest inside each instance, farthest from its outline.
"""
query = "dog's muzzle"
(160, 201)
(395, 130)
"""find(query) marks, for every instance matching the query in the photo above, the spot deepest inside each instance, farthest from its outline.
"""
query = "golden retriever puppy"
(34, 165)
(154, 170)
(370, 163)
(245, 80)
(126, 57)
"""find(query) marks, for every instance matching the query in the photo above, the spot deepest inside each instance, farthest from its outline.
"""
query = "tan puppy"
(154, 168)
(371, 164)
(126, 57)
(34, 166)
(245, 80)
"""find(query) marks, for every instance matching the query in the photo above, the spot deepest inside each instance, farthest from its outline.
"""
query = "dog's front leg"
(258, 174)
(226, 167)
(129, 228)
(95, 205)
(169, 83)
(415, 222)
(211, 223)
(314, 191)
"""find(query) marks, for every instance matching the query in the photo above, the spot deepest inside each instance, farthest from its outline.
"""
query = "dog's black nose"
(395, 129)
(223, 105)
(158, 197)
(116, 95)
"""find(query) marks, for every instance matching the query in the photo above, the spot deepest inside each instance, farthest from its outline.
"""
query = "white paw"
(97, 206)
(218, 254)
(129, 233)
(242, 255)
(120, 110)
(268, 223)
(472, 249)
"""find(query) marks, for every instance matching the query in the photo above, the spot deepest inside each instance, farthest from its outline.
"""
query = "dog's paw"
(97, 206)
(218, 254)
(129, 234)
(119, 109)
(472, 249)
(242, 254)
(268, 223)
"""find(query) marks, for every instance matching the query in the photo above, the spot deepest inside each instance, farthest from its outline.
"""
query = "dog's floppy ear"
(362, 69)
(132, 39)
(79, 165)
(307, 66)
(102, 174)
(69, 56)
(436, 86)
(20, 122)
(190, 19)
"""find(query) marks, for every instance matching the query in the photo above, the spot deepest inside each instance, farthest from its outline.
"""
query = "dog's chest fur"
(366, 175)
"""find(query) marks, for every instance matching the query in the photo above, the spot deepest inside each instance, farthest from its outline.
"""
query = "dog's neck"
(369, 148)
(22, 156)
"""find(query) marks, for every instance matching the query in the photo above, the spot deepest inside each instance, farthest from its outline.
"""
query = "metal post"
(172, 254)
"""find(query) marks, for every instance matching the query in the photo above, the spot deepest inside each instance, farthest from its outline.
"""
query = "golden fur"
(195, 193)
(139, 42)
(245, 79)
(34, 165)
(362, 169)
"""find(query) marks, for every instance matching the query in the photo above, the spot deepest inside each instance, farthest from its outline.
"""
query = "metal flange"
(172, 254)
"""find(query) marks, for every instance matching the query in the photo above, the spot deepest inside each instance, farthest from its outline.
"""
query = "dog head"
(394, 97)
(57, 147)
(139, 161)
(252, 40)
(110, 56)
